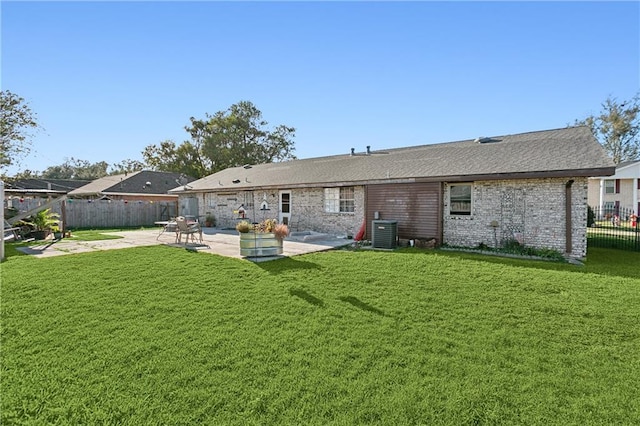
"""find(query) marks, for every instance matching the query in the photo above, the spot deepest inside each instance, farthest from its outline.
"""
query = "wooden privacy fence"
(116, 213)
(106, 214)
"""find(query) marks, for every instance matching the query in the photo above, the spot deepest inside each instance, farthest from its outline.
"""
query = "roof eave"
(603, 171)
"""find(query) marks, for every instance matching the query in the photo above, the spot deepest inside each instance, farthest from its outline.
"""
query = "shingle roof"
(133, 183)
(61, 186)
(571, 151)
(626, 163)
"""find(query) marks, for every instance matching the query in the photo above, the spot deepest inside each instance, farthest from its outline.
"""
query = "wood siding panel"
(416, 206)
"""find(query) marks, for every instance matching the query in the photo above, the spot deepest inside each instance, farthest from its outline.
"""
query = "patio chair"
(189, 230)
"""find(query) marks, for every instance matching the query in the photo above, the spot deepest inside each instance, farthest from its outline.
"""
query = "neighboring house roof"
(43, 185)
(626, 164)
(144, 182)
(571, 151)
(626, 170)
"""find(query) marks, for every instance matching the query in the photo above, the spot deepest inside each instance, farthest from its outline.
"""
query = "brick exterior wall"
(531, 211)
(308, 214)
(223, 204)
(307, 209)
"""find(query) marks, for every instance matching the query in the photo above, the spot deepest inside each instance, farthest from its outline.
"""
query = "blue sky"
(108, 79)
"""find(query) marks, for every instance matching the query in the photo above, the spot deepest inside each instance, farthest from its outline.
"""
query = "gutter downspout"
(635, 196)
(568, 221)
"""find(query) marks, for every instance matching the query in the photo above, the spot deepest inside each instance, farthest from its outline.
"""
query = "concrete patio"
(214, 241)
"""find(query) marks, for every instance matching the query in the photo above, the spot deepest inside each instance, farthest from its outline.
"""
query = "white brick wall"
(307, 213)
(531, 210)
(307, 210)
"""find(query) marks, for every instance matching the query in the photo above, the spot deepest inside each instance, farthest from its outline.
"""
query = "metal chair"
(189, 230)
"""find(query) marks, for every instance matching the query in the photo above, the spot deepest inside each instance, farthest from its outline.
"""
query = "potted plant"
(209, 220)
(261, 239)
(57, 233)
(243, 227)
(282, 231)
(44, 221)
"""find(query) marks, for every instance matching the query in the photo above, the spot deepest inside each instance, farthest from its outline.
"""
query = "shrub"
(591, 217)
(243, 226)
(267, 225)
(44, 220)
(512, 246)
(281, 230)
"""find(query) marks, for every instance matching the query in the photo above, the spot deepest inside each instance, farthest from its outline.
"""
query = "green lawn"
(158, 335)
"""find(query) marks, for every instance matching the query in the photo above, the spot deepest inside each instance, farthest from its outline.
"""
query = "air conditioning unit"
(384, 233)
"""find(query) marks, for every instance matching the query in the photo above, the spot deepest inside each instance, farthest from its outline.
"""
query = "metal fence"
(613, 227)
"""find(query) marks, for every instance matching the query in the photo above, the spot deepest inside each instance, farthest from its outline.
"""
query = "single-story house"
(23, 195)
(620, 192)
(41, 187)
(145, 185)
(530, 187)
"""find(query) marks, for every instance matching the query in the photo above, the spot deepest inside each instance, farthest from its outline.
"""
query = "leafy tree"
(617, 128)
(16, 123)
(26, 174)
(76, 169)
(168, 157)
(126, 166)
(83, 170)
(225, 139)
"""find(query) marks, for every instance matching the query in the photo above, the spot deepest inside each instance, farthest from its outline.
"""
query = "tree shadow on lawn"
(607, 262)
(354, 301)
(307, 297)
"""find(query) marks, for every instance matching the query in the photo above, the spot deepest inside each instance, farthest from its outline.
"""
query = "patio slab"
(214, 241)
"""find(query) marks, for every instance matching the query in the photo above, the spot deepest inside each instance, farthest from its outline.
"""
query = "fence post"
(2, 220)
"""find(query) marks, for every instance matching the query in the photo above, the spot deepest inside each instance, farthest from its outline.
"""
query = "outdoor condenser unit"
(384, 233)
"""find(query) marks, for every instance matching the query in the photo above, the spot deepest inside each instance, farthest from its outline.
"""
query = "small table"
(167, 226)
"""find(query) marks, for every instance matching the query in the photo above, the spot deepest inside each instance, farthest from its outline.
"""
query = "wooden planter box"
(258, 244)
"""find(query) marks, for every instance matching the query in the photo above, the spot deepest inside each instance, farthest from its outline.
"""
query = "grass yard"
(614, 238)
(156, 335)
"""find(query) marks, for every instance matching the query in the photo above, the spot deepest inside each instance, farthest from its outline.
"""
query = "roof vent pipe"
(368, 149)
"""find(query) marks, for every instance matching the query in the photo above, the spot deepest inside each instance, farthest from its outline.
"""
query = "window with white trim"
(339, 200)
(460, 199)
(609, 186)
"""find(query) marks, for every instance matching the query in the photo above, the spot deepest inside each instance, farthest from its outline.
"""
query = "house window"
(609, 186)
(609, 207)
(248, 201)
(460, 199)
(339, 200)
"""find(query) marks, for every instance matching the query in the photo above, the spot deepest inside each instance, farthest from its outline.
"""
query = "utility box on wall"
(384, 233)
